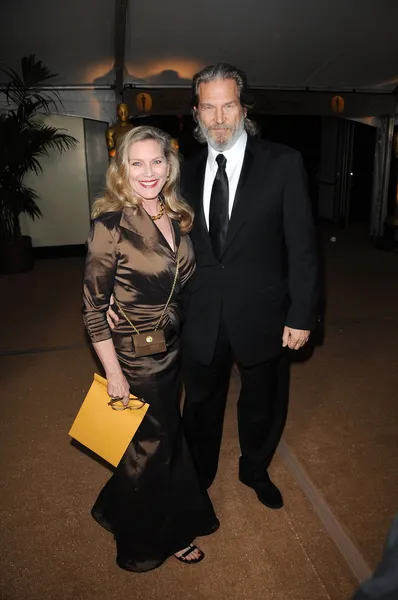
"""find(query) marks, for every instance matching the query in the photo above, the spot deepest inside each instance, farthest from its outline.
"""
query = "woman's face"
(148, 169)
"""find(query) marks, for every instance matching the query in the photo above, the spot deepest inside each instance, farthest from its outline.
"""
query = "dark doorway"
(362, 173)
(303, 133)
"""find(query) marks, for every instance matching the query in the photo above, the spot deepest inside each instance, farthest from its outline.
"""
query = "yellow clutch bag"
(104, 425)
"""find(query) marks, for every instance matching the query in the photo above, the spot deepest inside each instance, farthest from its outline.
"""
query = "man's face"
(220, 113)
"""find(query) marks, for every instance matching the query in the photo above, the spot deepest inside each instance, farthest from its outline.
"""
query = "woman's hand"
(118, 387)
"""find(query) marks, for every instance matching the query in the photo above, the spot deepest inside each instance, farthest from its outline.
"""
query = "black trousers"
(262, 409)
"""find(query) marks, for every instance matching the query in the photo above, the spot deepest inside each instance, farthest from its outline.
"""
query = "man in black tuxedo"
(254, 292)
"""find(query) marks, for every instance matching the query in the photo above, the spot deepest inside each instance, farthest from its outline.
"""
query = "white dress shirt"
(234, 156)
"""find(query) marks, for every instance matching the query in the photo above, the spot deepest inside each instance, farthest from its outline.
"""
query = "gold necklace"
(160, 213)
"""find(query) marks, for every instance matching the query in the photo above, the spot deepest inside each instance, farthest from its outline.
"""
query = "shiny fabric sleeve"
(99, 276)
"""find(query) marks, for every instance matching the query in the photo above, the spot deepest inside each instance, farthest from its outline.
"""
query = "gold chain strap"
(165, 306)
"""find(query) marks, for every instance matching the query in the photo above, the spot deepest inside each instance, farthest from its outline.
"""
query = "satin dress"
(153, 504)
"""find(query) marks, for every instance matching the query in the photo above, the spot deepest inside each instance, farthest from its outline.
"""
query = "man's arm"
(300, 242)
(111, 316)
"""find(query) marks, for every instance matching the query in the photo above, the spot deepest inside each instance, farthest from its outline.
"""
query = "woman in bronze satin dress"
(153, 504)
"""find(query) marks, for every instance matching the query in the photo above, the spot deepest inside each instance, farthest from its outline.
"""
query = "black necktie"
(219, 207)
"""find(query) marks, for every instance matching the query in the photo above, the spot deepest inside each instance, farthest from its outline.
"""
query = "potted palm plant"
(25, 139)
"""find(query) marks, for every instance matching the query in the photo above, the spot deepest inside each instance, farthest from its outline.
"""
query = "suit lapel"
(196, 187)
(253, 168)
(254, 165)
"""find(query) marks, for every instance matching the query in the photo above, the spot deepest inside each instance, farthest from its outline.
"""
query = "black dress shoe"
(266, 491)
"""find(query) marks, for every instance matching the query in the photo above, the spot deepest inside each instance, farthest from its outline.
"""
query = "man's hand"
(294, 338)
(111, 316)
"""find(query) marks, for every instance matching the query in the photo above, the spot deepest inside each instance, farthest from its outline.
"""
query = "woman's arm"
(99, 278)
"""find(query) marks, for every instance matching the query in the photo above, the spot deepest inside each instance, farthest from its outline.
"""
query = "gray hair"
(222, 71)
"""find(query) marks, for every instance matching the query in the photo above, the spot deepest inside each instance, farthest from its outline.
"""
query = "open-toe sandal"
(192, 561)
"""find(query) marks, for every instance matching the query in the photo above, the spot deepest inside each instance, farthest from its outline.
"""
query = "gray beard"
(227, 144)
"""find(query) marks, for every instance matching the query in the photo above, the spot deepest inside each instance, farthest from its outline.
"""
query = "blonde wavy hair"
(118, 191)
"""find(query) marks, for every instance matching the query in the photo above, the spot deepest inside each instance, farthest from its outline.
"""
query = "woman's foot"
(190, 555)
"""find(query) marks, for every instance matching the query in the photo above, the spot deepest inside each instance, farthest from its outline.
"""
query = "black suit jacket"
(267, 275)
